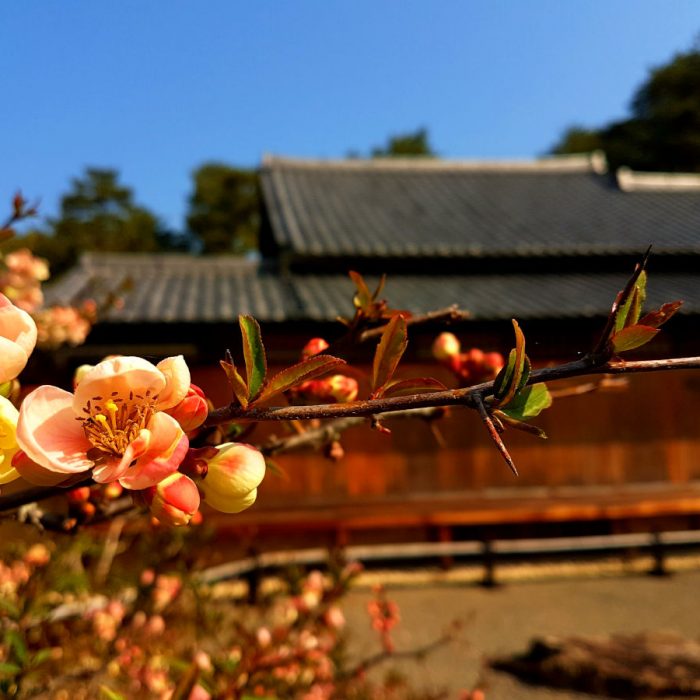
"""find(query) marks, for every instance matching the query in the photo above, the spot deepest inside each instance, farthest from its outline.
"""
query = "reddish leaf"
(389, 351)
(379, 288)
(238, 385)
(363, 297)
(402, 386)
(254, 354)
(310, 368)
(633, 337)
(521, 425)
(661, 315)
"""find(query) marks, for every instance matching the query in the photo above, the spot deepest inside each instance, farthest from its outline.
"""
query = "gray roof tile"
(185, 289)
(434, 208)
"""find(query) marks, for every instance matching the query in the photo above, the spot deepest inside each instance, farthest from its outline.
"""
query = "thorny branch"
(348, 415)
(451, 397)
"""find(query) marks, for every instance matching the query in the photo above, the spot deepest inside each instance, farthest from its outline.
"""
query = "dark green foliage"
(414, 143)
(97, 214)
(663, 131)
(224, 211)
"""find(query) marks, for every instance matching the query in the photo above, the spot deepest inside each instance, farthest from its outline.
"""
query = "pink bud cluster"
(471, 367)
(21, 278)
(61, 325)
(17, 573)
(384, 616)
(338, 388)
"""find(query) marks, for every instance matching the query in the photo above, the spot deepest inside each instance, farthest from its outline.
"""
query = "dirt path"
(503, 620)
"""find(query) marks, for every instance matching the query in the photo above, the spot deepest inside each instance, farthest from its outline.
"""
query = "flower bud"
(343, 389)
(192, 411)
(313, 347)
(174, 500)
(445, 346)
(78, 495)
(233, 476)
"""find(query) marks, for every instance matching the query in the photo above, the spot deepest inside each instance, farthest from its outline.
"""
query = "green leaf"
(41, 656)
(303, 371)
(238, 385)
(659, 316)
(254, 353)
(631, 303)
(15, 641)
(402, 386)
(275, 469)
(503, 378)
(9, 669)
(110, 694)
(390, 349)
(10, 609)
(507, 385)
(528, 403)
(632, 337)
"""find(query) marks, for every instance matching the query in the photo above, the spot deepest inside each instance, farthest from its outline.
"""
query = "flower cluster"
(21, 278)
(470, 367)
(127, 423)
(338, 388)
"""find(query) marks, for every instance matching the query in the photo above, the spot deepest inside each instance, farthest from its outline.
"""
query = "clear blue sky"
(156, 87)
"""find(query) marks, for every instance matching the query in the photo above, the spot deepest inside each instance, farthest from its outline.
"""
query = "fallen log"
(648, 665)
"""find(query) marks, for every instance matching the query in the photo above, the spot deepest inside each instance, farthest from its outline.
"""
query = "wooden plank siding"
(648, 433)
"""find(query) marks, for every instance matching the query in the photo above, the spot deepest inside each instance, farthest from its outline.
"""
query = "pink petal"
(177, 378)
(17, 339)
(120, 375)
(49, 434)
(30, 471)
(167, 448)
(114, 468)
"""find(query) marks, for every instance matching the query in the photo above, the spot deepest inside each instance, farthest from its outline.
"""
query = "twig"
(488, 422)
(110, 550)
(450, 314)
(317, 437)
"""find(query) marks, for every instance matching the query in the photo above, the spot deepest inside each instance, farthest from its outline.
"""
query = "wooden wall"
(647, 432)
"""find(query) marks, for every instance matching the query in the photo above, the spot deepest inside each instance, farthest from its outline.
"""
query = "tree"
(98, 214)
(224, 209)
(414, 143)
(663, 131)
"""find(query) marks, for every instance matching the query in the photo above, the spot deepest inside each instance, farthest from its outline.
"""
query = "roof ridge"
(633, 180)
(577, 162)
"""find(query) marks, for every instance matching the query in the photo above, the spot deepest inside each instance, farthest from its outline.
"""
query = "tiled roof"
(493, 297)
(412, 208)
(177, 288)
(185, 289)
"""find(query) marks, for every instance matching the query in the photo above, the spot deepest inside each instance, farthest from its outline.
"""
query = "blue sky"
(156, 87)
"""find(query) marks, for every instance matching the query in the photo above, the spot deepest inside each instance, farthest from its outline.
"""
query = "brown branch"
(450, 314)
(318, 437)
(363, 409)
(451, 397)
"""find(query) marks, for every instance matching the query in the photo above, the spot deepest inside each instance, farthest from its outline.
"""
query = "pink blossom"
(17, 339)
(114, 424)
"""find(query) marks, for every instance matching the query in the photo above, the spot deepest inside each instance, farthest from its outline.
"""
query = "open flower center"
(112, 423)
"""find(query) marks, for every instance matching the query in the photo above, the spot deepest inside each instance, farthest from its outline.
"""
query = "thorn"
(488, 422)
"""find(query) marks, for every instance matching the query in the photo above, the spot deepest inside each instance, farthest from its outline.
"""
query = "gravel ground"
(592, 599)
